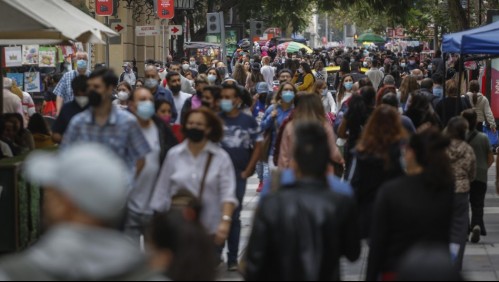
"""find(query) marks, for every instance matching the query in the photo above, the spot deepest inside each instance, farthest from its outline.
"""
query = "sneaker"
(260, 187)
(232, 267)
(475, 234)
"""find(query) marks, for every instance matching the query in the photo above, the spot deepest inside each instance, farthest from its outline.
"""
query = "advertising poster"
(32, 82)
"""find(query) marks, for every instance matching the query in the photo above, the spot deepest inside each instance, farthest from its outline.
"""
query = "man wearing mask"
(84, 194)
(186, 66)
(152, 83)
(268, 72)
(195, 102)
(186, 84)
(106, 124)
(69, 110)
(63, 90)
(161, 139)
(243, 141)
(438, 89)
(222, 69)
(375, 75)
(412, 64)
(179, 97)
(128, 75)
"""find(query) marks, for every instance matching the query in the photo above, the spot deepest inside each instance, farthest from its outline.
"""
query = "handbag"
(267, 143)
(185, 198)
(493, 137)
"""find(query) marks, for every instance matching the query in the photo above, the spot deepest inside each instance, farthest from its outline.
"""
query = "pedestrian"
(302, 231)
(179, 97)
(40, 131)
(180, 247)
(255, 77)
(484, 160)
(321, 89)
(481, 105)
(409, 85)
(242, 141)
(355, 72)
(259, 104)
(124, 91)
(438, 89)
(240, 74)
(84, 195)
(5, 151)
(420, 111)
(268, 72)
(160, 139)
(11, 102)
(49, 108)
(201, 168)
(453, 105)
(308, 78)
(63, 90)
(391, 99)
(413, 209)
(139, 83)
(320, 72)
(187, 86)
(69, 110)
(152, 83)
(22, 136)
(128, 75)
(196, 101)
(211, 98)
(426, 89)
(308, 108)
(285, 75)
(107, 125)
(27, 103)
(464, 165)
(376, 160)
(375, 75)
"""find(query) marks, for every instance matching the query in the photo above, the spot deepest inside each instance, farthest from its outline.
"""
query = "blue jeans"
(262, 169)
(235, 228)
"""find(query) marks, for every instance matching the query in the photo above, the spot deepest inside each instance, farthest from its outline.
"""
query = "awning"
(454, 42)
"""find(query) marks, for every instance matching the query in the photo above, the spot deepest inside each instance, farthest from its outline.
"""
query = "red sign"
(166, 9)
(494, 97)
(104, 7)
(119, 28)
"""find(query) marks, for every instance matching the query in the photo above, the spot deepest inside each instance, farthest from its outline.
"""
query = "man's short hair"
(107, 75)
(79, 84)
(234, 87)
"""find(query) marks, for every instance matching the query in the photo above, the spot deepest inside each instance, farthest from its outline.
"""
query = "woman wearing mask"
(321, 74)
(211, 98)
(481, 105)
(124, 89)
(201, 168)
(214, 77)
(255, 77)
(404, 70)
(409, 85)
(309, 108)
(320, 89)
(139, 83)
(344, 94)
(463, 162)
(376, 160)
(308, 78)
(164, 112)
(274, 117)
(413, 209)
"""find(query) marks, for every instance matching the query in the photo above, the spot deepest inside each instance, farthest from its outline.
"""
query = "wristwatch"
(226, 218)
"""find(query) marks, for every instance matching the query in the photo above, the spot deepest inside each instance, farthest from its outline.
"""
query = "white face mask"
(123, 96)
(185, 67)
(82, 101)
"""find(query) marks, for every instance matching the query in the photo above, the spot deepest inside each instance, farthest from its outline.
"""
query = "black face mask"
(221, 71)
(262, 98)
(94, 99)
(176, 89)
(199, 94)
(195, 135)
(205, 104)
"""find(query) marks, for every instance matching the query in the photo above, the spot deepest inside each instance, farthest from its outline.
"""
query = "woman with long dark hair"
(255, 77)
(376, 160)
(421, 112)
(240, 74)
(413, 209)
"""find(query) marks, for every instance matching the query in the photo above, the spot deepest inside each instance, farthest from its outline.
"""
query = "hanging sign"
(166, 9)
(47, 57)
(13, 56)
(30, 54)
(104, 7)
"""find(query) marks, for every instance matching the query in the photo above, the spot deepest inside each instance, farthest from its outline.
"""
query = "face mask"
(403, 65)
(226, 105)
(167, 120)
(352, 60)
(365, 64)
(212, 78)
(82, 64)
(94, 99)
(288, 96)
(412, 62)
(185, 67)
(123, 96)
(205, 104)
(192, 64)
(252, 61)
(300, 70)
(176, 88)
(194, 135)
(221, 71)
(145, 110)
(348, 85)
(82, 101)
(438, 92)
(151, 83)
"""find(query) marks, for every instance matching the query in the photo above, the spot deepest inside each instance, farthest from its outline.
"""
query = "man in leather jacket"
(301, 231)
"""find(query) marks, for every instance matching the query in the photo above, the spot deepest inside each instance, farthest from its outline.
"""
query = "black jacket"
(300, 233)
(166, 138)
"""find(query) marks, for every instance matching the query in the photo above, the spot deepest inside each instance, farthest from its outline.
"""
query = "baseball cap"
(262, 87)
(89, 174)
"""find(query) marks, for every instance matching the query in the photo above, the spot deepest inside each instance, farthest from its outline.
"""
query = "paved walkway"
(481, 262)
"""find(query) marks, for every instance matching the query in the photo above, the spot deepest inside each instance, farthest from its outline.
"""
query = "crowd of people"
(380, 155)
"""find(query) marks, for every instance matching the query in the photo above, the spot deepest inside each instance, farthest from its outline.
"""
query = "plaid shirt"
(121, 134)
(64, 89)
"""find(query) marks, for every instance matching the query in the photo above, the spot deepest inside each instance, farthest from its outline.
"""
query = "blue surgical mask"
(438, 92)
(348, 85)
(226, 105)
(82, 64)
(288, 96)
(403, 65)
(212, 78)
(145, 110)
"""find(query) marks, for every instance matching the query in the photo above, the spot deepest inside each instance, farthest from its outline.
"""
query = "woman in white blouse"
(184, 168)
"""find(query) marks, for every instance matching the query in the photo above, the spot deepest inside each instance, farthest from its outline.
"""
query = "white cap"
(90, 175)
(7, 83)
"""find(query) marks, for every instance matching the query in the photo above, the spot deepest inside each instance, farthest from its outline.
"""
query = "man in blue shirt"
(243, 141)
(152, 83)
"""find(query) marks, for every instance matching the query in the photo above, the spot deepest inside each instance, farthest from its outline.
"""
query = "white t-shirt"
(268, 74)
(142, 191)
(6, 151)
(179, 101)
